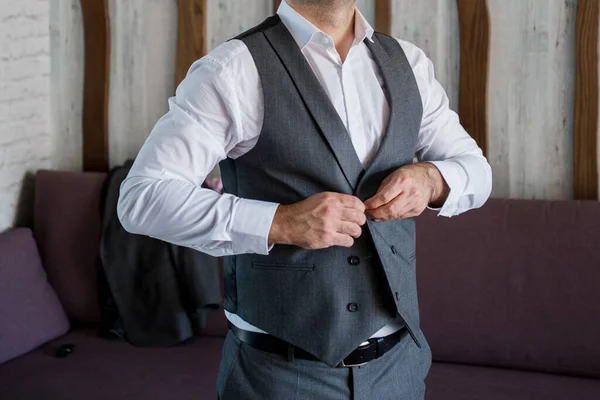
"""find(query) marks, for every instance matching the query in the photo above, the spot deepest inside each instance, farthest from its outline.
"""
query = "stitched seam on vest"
(283, 267)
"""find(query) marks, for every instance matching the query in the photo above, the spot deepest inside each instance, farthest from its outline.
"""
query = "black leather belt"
(368, 351)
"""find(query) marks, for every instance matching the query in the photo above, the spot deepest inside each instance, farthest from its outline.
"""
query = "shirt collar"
(303, 31)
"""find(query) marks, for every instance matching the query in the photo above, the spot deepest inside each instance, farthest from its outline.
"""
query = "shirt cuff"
(251, 224)
(456, 178)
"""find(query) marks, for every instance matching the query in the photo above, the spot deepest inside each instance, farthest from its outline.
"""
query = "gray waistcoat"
(326, 301)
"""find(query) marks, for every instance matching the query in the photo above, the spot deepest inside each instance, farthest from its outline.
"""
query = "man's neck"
(335, 18)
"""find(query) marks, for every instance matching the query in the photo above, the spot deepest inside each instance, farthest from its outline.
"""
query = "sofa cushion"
(30, 313)
(101, 369)
(67, 230)
(514, 284)
(462, 382)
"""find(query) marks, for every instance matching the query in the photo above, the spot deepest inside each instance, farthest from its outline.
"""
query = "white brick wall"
(25, 140)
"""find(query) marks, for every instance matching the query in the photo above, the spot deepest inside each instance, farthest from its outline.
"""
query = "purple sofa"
(509, 298)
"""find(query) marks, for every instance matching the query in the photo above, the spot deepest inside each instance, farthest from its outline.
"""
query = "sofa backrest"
(67, 231)
(515, 284)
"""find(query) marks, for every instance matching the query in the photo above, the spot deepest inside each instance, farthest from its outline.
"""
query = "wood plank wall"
(383, 16)
(144, 36)
(535, 145)
(531, 97)
(191, 35)
(228, 18)
(66, 83)
(474, 25)
(586, 102)
(96, 84)
(432, 25)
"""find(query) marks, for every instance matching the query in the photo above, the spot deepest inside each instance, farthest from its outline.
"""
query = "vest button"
(353, 260)
(397, 296)
(353, 307)
(394, 250)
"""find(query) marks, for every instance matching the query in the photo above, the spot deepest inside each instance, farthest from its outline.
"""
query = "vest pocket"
(283, 267)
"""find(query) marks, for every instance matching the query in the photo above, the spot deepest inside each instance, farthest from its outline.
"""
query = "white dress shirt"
(217, 112)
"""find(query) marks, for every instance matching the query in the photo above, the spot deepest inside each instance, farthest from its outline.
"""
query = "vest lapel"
(317, 102)
(392, 74)
(399, 135)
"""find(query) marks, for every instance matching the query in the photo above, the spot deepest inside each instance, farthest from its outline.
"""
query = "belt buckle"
(343, 365)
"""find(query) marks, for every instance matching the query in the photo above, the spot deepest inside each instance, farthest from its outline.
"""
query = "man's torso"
(305, 148)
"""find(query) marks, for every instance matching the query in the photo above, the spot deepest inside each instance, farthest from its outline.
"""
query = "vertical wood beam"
(383, 16)
(585, 150)
(276, 4)
(191, 35)
(474, 26)
(96, 28)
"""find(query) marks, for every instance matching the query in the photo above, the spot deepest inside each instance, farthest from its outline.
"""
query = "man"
(316, 121)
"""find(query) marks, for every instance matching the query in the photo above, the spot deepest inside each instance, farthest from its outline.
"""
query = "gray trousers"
(249, 374)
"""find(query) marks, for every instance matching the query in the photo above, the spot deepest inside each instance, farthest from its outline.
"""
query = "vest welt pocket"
(283, 267)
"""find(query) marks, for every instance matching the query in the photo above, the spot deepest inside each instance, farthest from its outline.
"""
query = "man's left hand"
(407, 192)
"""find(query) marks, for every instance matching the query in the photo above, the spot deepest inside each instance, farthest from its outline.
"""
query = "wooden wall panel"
(531, 96)
(228, 18)
(586, 102)
(66, 83)
(531, 90)
(96, 83)
(143, 53)
(474, 26)
(276, 4)
(191, 35)
(432, 25)
(383, 16)
(144, 35)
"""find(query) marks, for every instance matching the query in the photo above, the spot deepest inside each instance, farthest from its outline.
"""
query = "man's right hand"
(321, 221)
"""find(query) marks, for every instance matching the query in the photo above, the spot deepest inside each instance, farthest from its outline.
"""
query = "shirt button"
(353, 307)
(353, 260)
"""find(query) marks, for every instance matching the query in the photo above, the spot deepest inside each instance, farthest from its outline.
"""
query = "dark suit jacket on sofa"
(161, 291)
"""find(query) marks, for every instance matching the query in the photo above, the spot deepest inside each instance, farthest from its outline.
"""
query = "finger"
(383, 213)
(401, 204)
(343, 240)
(379, 214)
(384, 195)
(352, 202)
(351, 215)
(349, 228)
